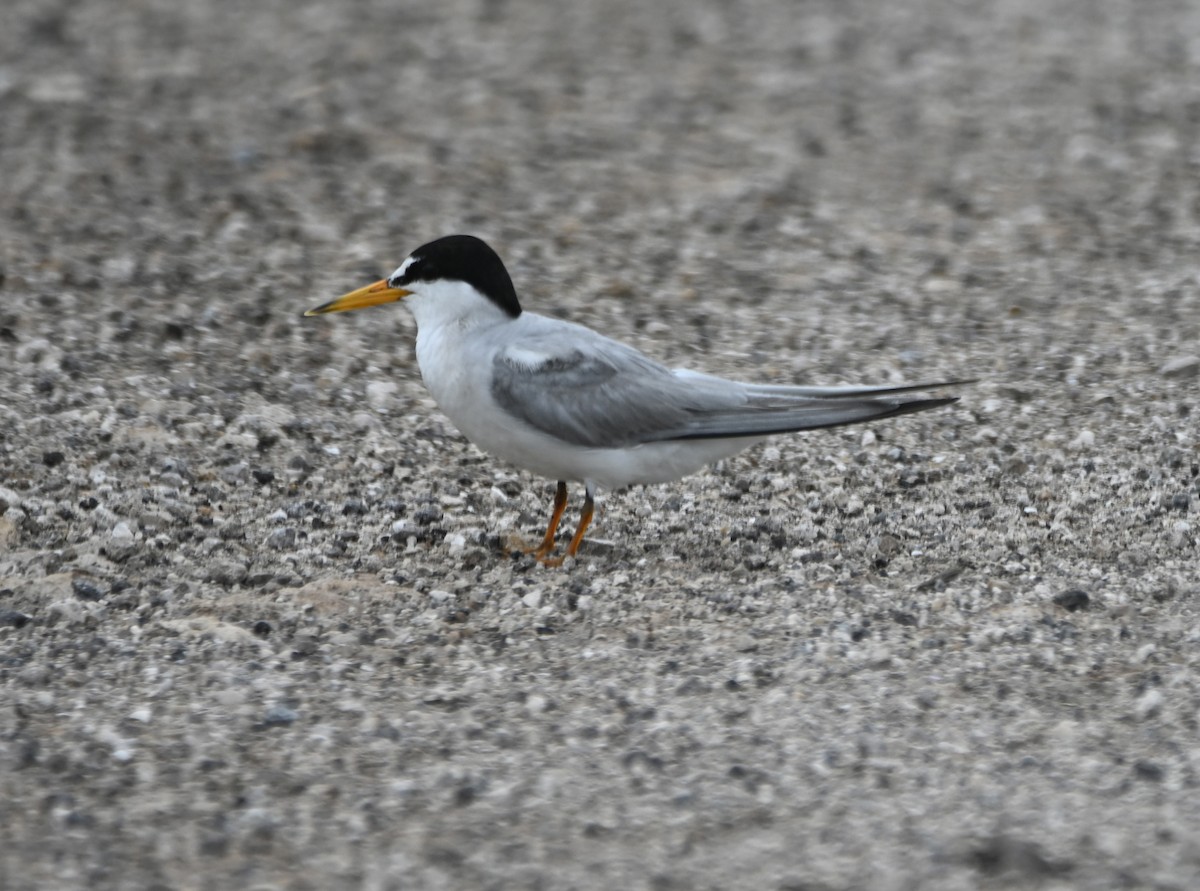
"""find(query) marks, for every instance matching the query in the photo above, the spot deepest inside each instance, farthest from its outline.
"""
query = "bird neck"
(453, 305)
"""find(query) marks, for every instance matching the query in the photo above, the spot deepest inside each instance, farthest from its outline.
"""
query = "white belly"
(460, 382)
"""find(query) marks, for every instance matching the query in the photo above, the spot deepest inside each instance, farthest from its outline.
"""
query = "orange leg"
(585, 520)
(560, 504)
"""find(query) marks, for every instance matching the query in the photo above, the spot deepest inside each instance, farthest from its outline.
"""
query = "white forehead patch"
(402, 268)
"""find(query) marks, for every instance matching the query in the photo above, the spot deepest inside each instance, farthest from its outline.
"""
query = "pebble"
(8, 499)
(381, 395)
(13, 618)
(1083, 441)
(279, 716)
(10, 531)
(1073, 600)
(282, 539)
(86, 589)
(1148, 705)
(227, 572)
(426, 516)
(1149, 771)
(121, 543)
(1181, 367)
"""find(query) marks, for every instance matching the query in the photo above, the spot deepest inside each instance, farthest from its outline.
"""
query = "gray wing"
(594, 392)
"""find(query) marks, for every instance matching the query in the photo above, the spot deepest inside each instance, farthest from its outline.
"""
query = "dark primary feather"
(765, 418)
(603, 394)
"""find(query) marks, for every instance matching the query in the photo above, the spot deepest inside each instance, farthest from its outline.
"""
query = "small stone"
(235, 474)
(282, 539)
(1072, 600)
(299, 464)
(1015, 467)
(354, 507)
(1181, 367)
(263, 476)
(86, 589)
(279, 716)
(8, 498)
(227, 573)
(13, 619)
(305, 644)
(381, 395)
(9, 532)
(363, 421)
(533, 599)
(53, 459)
(427, 516)
(1148, 704)
(262, 628)
(1148, 770)
(1083, 441)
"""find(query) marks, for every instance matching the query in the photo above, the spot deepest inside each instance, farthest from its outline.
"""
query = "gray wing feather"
(599, 393)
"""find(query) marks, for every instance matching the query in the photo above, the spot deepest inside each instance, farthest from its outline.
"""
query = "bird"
(564, 402)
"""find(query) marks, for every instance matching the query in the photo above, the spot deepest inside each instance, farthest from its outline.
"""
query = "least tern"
(564, 402)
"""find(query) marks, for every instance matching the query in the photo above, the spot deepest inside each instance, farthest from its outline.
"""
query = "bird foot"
(539, 552)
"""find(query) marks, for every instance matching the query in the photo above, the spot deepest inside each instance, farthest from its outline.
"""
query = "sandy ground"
(258, 625)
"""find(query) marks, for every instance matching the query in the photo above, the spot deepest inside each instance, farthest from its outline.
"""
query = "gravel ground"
(259, 623)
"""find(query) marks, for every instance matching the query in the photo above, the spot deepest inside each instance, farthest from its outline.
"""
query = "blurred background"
(949, 162)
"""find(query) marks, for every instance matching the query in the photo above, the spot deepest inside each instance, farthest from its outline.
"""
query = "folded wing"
(598, 393)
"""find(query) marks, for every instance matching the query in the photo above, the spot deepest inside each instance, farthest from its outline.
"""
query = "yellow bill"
(371, 295)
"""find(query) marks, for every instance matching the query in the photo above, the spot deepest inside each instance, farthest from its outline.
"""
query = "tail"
(770, 409)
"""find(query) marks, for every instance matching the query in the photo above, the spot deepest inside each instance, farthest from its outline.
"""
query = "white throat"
(455, 303)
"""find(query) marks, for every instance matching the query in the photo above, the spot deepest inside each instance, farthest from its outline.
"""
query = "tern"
(566, 403)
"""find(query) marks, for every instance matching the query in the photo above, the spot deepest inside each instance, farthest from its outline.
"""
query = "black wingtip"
(879, 410)
(915, 405)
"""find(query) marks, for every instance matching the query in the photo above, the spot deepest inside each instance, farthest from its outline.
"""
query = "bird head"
(451, 267)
